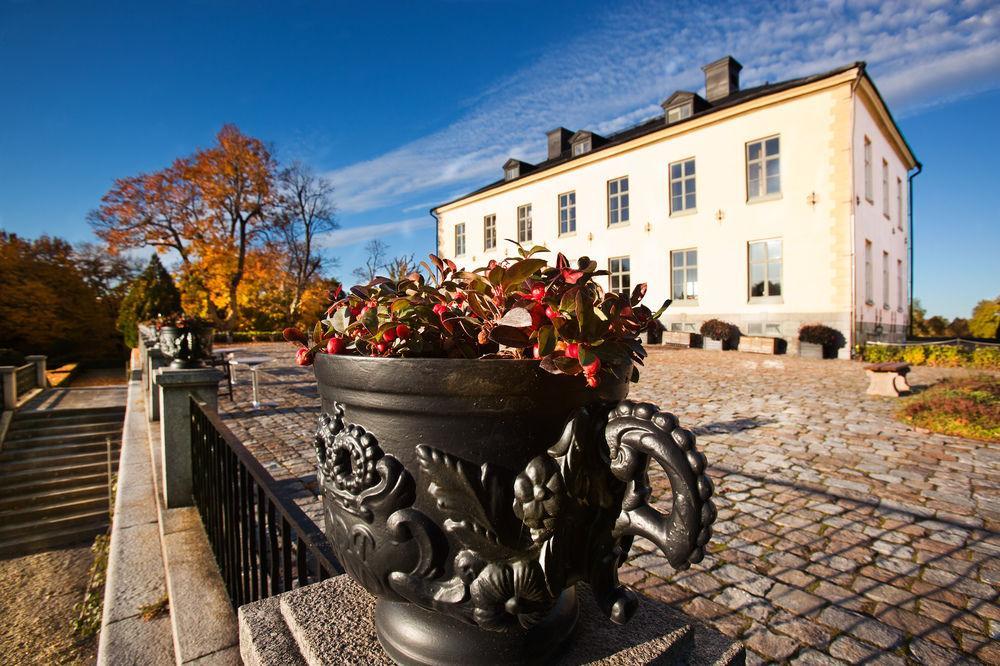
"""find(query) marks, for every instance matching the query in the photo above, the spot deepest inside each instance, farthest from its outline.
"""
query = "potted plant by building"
(719, 335)
(478, 456)
(819, 341)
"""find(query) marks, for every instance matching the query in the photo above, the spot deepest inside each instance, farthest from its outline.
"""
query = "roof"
(657, 123)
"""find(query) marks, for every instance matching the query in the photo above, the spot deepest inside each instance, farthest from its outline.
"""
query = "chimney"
(558, 141)
(722, 78)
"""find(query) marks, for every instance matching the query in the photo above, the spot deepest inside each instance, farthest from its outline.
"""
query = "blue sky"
(408, 104)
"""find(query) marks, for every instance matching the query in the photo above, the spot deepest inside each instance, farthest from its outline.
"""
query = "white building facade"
(770, 207)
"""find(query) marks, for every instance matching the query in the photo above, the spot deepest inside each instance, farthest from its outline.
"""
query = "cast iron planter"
(471, 496)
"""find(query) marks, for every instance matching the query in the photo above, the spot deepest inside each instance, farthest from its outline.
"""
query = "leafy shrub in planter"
(517, 308)
(818, 334)
(716, 329)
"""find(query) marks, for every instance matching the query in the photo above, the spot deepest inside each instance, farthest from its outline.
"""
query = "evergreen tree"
(151, 294)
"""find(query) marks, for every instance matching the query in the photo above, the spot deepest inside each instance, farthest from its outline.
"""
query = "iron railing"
(26, 377)
(263, 546)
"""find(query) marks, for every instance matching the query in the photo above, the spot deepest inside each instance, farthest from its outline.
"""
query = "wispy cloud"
(920, 54)
(362, 233)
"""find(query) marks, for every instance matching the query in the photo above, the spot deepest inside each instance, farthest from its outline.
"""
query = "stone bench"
(887, 379)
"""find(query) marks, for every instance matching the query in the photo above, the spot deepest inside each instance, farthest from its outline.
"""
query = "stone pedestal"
(176, 388)
(331, 623)
(8, 379)
(39, 360)
(155, 359)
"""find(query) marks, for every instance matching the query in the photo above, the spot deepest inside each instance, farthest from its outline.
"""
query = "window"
(765, 269)
(679, 113)
(684, 275)
(567, 213)
(524, 223)
(885, 189)
(619, 280)
(682, 189)
(511, 173)
(489, 232)
(899, 285)
(618, 201)
(899, 203)
(869, 276)
(763, 168)
(581, 147)
(460, 239)
(868, 171)
(885, 280)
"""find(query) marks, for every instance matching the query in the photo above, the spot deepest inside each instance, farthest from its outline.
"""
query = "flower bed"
(987, 358)
(960, 407)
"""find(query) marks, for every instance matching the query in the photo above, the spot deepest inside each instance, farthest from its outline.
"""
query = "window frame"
(524, 231)
(617, 198)
(899, 285)
(885, 188)
(489, 232)
(511, 173)
(869, 183)
(684, 268)
(581, 148)
(767, 297)
(684, 178)
(612, 274)
(460, 233)
(885, 280)
(899, 203)
(570, 207)
(762, 194)
(869, 274)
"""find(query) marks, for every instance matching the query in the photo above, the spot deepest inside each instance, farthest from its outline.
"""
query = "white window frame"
(566, 202)
(869, 185)
(581, 147)
(460, 239)
(767, 297)
(885, 280)
(899, 285)
(687, 183)
(679, 112)
(688, 297)
(615, 200)
(524, 223)
(869, 274)
(762, 160)
(620, 272)
(899, 203)
(885, 188)
(489, 232)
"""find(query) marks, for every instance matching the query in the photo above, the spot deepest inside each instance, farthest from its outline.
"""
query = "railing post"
(8, 376)
(156, 360)
(175, 388)
(39, 360)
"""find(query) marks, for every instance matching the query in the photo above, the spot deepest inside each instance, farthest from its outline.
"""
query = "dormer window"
(511, 173)
(678, 113)
(581, 147)
(515, 169)
(585, 141)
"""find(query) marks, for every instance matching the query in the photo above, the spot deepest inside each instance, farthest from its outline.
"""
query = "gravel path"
(37, 595)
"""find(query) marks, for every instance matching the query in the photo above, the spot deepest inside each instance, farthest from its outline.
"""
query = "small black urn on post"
(471, 496)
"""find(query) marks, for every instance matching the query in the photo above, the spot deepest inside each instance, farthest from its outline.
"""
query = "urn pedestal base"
(333, 622)
(413, 636)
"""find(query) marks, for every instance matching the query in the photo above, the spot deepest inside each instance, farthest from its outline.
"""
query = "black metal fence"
(263, 545)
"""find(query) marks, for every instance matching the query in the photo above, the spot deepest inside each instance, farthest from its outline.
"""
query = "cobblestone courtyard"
(844, 536)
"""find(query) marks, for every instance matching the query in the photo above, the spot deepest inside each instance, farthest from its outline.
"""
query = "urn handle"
(637, 432)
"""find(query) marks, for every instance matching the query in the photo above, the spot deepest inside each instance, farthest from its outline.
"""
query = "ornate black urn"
(470, 496)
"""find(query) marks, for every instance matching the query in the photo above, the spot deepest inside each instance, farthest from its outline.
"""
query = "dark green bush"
(818, 334)
(717, 329)
(151, 294)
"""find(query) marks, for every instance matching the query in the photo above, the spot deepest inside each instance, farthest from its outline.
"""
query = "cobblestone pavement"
(844, 536)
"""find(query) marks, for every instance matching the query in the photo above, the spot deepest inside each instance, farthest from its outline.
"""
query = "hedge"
(935, 355)
(251, 336)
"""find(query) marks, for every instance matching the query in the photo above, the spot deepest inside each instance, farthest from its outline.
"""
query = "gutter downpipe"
(437, 233)
(856, 316)
(909, 215)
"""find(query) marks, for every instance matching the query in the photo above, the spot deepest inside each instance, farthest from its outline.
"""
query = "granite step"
(331, 622)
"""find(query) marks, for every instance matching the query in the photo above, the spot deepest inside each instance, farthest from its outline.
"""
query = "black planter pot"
(470, 496)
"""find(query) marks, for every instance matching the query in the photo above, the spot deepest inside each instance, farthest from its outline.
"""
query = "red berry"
(551, 312)
(593, 368)
(573, 350)
(402, 331)
(440, 308)
(389, 334)
(535, 351)
(537, 315)
(335, 345)
(303, 356)
(538, 292)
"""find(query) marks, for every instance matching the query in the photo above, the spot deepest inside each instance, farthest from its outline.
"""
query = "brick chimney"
(722, 78)
(558, 141)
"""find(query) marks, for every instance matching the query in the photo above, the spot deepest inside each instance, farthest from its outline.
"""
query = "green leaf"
(521, 270)
(567, 365)
(546, 340)
(496, 275)
(516, 317)
(509, 337)
(317, 336)
(587, 356)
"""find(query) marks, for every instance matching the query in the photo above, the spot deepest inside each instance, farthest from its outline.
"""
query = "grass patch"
(87, 622)
(961, 407)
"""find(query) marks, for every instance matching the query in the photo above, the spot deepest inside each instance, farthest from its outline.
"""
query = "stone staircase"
(54, 477)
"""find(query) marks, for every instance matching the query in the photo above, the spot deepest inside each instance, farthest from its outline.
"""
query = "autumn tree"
(306, 211)
(985, 321)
